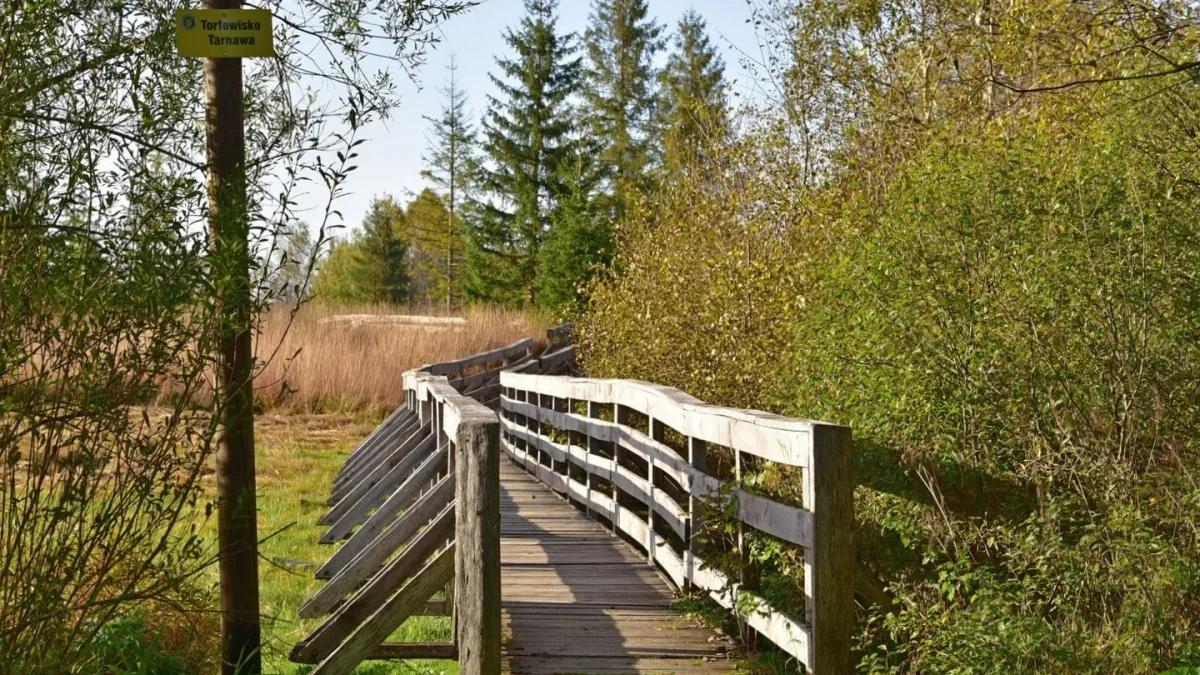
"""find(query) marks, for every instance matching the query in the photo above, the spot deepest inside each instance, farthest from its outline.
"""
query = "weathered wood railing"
(581, 437)
(417, 505)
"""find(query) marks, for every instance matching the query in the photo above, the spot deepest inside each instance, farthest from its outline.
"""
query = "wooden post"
(477, 538)
(621, 417)
(829, 564)
(593, 446)
(658, 433)
(237, 529)
(698, 458)
(750, 573)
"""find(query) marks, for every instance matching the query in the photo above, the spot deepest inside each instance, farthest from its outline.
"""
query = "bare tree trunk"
(237, 529)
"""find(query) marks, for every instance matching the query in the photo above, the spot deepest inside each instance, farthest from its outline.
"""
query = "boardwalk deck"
(577, 600)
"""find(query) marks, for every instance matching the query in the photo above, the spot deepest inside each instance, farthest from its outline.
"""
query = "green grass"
(298, 456)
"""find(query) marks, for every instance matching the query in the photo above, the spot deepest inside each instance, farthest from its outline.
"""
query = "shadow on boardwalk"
(578, 600)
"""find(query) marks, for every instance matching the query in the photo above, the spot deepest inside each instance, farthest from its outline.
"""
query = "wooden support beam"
(350, 514)
(477, 536)
(408, 650)
(372, 597)
(371, 558)
(405, 603)
(389, 455)
(384, 445)
(384, 516)
(829, 564)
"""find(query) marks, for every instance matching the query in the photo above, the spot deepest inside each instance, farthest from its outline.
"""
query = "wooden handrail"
(544, 427)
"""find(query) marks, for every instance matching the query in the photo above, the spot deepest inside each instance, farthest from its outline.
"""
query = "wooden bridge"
(554, 518)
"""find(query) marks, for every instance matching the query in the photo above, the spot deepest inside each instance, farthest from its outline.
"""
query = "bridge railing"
(416, 507)
(637, 455)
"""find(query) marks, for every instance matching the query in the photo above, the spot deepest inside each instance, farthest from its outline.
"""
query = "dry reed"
(316, 360)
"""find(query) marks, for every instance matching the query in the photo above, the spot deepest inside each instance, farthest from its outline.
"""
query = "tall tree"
(384, 241)
(372, 265)
(435, 256)
(526, 140)
(450, 158)
(580, 240)
(693, 107)
(622, 40)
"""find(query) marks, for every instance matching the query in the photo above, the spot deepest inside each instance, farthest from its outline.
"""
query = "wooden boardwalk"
(578, 600)
(439, 494)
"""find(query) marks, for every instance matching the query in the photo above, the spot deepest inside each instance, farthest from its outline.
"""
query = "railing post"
(657, 432)
(593, 445)
(477, 537)
(750, 573)
(698, 458)
(829, 564)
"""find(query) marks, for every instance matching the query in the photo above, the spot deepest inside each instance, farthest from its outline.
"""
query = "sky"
(390, 161)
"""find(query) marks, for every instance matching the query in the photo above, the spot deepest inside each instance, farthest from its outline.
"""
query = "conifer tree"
(384, 241)
(450, 160)
(526, 138)
(435, 256)
(692, 108)
(622, 40)
(371, 266)
(580, 240)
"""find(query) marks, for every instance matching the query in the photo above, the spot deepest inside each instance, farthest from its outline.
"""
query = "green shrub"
(1012, 327)
(130, 647)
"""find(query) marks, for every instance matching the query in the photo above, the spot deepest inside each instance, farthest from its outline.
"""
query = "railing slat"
(405, 603)
(366, 563)
(374, 596)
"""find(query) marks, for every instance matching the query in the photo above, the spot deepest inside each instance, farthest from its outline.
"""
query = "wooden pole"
(829, 564)
(477, 536)
(237, 529)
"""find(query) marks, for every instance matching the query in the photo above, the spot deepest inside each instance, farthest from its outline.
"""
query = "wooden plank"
(374, 596)
(384, 437)
(405, 603)
(558, 361)
(355, 513)
(409, 650)
(400, 415)
(384, 443)
(623, 665)
(363, 478)
(477, 537)
(371, 558)
(577, 600)
(779, 520)
(509, 352)
(352, 476)
(402, 498)
(560, 333)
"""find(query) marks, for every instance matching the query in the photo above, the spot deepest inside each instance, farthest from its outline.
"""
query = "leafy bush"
(127, 647)
(1010, 322)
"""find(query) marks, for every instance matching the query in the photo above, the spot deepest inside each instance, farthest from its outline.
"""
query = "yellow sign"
(224, 32)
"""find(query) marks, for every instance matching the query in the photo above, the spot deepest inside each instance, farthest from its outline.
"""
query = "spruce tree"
(371, 266)
(384, 242)
(450, 159)
(622, 40)
(580, 241)
(435, 257)
(692, 109)
(526, 138)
